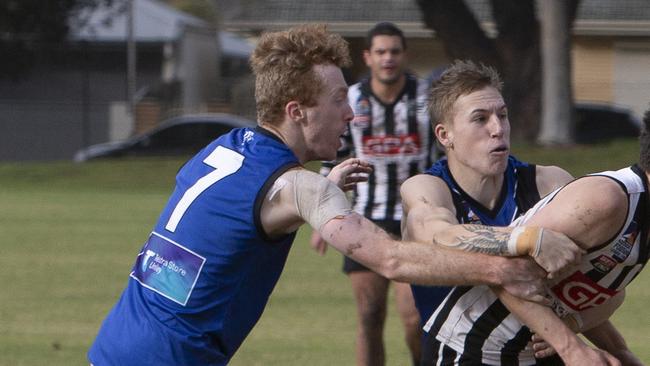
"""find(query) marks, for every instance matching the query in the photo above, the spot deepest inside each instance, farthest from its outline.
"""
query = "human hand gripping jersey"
(204, 275)
(519, 193)
(472, 325)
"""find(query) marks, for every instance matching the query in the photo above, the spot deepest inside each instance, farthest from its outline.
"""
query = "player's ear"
(443, 135)
(294, 110)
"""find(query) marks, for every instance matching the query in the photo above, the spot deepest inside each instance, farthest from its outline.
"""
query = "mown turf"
(69, 234)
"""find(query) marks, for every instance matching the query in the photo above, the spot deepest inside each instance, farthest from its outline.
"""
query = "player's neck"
(290, 137)
(484, 189)
(386, 92)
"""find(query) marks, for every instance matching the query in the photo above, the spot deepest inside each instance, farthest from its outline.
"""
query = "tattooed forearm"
(480, 239)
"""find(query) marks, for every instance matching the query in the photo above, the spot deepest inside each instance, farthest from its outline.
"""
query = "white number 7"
(226, 162)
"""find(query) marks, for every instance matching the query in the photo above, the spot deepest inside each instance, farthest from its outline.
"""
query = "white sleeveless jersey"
(477, 325)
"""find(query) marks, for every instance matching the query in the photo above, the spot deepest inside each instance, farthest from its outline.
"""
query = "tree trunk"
(517, 43)
(514, 52)
(460, 32)
(557, 97)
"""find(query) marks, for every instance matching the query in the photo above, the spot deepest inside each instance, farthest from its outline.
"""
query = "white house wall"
(632, 75)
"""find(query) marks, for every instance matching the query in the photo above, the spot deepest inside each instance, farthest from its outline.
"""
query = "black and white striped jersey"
(518, 194)
(397, 139)
(474, 323)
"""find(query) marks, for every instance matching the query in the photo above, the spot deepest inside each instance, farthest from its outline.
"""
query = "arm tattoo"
(482, 239)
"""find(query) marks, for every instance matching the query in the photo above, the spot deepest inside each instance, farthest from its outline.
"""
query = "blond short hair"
(461, 78)
(283, 66)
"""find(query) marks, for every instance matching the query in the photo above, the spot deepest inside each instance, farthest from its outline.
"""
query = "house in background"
(611, 39)
(76, 94)
(611, 53)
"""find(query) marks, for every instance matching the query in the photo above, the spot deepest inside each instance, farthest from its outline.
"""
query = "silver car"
(178, 136)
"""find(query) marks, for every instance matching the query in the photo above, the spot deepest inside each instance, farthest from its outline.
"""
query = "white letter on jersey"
(583, 296)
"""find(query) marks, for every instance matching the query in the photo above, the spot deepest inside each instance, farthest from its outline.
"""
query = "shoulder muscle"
(550, 178)
(589, 210)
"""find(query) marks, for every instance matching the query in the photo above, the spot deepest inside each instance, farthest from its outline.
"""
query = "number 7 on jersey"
(225, 162)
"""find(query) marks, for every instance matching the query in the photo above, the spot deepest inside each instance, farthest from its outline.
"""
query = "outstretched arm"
(543, 321)
(583, 322)
(602, 333)
(423, 263)
(345, 175)
(429, 217)
(595, 325)
(300, 195)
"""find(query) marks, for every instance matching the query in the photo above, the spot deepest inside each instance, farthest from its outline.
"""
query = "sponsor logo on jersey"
(603, 263)
(360, 121)
(248, 136)
(361, 114)
(168, 268)
(580, 292)
(621, 249)
(150, 253)
(391, 145)
(623, 245)
(362, 107)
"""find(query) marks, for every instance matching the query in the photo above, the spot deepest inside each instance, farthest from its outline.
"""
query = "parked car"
(182, 135)
(598, 122)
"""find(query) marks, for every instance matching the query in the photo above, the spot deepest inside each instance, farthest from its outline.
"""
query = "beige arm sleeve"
(318, 200)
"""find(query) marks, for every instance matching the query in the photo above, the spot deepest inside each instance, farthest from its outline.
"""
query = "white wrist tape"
(318, 199)
(525, 240)
(538, 243)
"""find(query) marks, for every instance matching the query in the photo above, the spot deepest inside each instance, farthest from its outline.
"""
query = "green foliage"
(70, 233)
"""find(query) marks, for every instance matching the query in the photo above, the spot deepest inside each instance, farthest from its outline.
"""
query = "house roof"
(234, 46)
(353, 18)
(154, 21)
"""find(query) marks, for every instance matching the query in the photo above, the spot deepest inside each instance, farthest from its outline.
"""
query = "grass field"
(69, 234)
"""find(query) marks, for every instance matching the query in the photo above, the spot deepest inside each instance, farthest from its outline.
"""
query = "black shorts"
(394, 228)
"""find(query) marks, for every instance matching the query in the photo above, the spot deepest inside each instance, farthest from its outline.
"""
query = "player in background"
(391, 130)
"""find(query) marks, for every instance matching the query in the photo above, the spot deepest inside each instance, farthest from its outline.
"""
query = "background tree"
(557, 120)
(28, 26)
(514, 51)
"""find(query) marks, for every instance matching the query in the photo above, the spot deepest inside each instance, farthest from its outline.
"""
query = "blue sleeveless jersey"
(203, 277)
(518, 194)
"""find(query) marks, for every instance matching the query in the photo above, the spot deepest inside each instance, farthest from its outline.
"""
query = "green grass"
(69, 234)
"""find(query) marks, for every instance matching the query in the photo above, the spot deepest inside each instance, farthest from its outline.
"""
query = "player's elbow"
(391, 266)
(391, 269)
